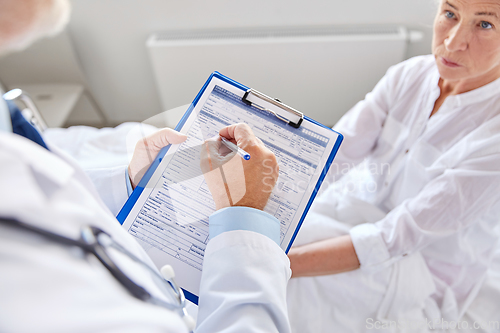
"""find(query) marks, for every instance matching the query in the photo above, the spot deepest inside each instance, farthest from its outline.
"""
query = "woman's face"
(466, 40)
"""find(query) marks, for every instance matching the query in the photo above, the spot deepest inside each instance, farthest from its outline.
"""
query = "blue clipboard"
(126, 209)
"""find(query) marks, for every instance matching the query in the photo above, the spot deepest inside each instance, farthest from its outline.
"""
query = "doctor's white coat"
(46, 287)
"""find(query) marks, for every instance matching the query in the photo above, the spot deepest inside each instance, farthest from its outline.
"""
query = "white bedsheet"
(109, 147)
(486, 306)
(99, 148)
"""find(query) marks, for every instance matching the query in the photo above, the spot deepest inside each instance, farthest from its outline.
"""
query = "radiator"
(320, 71)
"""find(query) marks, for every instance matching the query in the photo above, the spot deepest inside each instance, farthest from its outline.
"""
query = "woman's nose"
(457, 40)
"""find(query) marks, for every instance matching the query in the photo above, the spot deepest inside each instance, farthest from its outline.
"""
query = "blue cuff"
(244, 218)
(129, 184)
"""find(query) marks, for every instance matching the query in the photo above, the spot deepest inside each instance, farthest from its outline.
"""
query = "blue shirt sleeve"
(129, 184)
(244, 218)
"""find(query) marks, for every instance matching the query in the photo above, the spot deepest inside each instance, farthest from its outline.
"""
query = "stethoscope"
(96, 242)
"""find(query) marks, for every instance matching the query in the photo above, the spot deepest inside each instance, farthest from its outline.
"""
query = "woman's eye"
(449, 14)
(486, 25)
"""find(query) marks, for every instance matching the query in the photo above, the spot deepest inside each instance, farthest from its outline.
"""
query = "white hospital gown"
(420, 198)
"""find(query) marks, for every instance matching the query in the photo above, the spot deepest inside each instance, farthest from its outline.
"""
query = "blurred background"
(128, 60)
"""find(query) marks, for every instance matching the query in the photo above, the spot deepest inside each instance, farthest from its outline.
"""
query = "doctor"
(48, 286)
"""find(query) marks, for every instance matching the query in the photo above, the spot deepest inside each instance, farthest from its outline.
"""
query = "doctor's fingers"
(244, 137)
(162, 138)
(211, 157)
(242, 134)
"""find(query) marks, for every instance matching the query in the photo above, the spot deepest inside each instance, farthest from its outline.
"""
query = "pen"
(235, 148)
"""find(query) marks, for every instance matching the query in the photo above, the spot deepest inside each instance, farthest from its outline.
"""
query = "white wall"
(109, 36)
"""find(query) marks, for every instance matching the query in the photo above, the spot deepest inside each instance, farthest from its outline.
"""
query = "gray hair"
(33, 20)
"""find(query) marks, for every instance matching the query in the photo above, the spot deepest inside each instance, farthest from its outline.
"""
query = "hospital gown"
(420, 198)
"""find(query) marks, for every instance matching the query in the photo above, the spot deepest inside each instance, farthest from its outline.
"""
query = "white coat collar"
(5, 122)
(40, 160)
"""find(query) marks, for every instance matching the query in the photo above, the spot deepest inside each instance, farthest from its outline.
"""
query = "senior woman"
(417, 209)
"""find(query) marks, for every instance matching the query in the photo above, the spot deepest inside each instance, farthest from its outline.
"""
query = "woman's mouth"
(449, 63)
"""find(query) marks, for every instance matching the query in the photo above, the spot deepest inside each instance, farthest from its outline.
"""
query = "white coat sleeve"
(448, 204)
(243, 286)
(111, 184)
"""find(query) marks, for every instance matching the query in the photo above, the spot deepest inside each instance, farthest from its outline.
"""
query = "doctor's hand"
(234, 181)
(146, 150)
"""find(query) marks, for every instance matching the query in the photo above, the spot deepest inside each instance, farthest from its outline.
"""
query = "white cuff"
(244, 218)
(129, 184)
(111, 186)
(370, 248)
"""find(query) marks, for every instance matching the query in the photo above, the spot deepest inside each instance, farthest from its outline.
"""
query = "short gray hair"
(22, 22)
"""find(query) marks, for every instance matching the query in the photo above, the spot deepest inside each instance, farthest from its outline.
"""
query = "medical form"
(170, 214)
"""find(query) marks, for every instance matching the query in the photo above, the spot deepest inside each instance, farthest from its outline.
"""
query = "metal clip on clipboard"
(252, 94)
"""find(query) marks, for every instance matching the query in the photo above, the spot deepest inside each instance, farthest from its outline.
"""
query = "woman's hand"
(146, 150)
(234, 181)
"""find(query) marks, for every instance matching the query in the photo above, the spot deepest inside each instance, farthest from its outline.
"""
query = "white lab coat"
(420, 199)
(46, 287)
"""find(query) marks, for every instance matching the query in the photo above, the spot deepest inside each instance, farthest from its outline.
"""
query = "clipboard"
(285, 118)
